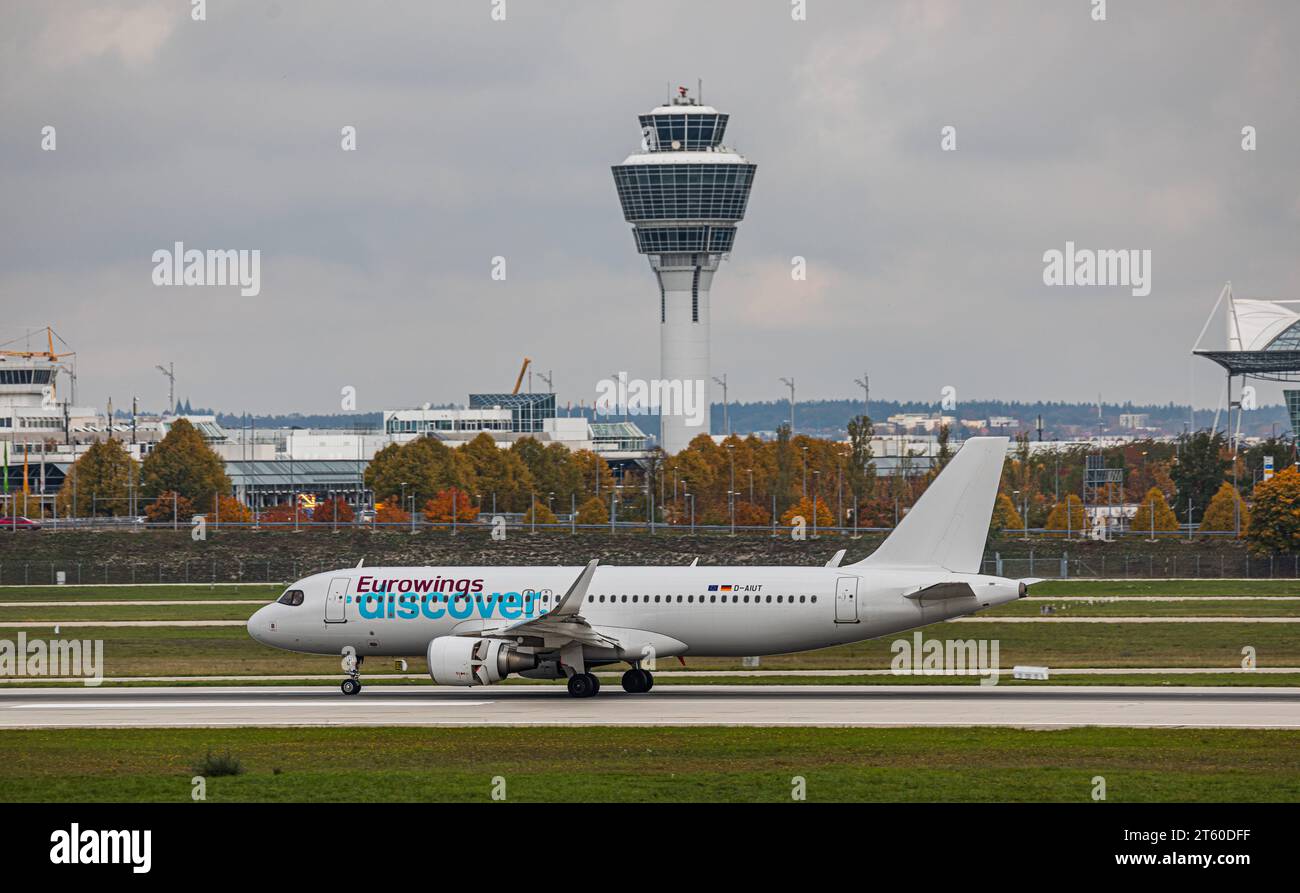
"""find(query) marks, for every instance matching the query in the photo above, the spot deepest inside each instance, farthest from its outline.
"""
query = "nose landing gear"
(351, 666)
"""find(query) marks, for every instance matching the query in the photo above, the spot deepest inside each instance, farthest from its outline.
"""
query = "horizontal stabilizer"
(942, 590)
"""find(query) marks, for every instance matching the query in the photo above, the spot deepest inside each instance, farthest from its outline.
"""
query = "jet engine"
(463, 660)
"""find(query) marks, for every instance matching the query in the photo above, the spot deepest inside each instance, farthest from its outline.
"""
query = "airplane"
(478, 625)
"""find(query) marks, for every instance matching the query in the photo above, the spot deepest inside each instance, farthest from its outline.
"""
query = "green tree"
(945, 450)
(860, 476)
(183, 463)
(1199, 470)
(102, 478)
(1275, 517)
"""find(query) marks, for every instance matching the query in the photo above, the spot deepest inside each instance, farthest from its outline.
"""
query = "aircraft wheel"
(635, 682)
(649, 679)
(580, 685)
(350, 686)
(595, 683)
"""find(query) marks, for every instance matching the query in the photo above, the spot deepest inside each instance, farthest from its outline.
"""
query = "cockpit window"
(292, 598)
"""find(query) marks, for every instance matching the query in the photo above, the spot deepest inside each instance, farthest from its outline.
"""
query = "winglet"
(577, 592)
(837, 558)
(362, 562)
(695, 561)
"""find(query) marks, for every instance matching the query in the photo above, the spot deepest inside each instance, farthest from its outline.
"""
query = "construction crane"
(522, 370)
(48, 354)
(170, 371)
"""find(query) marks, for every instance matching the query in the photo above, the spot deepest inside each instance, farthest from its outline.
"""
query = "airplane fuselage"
(701, 611)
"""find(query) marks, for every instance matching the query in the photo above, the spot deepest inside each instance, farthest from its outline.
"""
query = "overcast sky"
(478, 138)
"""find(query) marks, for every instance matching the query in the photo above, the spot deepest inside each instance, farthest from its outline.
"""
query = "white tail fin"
(950, 522)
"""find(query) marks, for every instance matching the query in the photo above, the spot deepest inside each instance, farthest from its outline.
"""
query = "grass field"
(655, 765)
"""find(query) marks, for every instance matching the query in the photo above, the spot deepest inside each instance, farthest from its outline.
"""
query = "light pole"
(789, 383)
(731, 493)
(805, 471)
(817, 480)
(726, 415)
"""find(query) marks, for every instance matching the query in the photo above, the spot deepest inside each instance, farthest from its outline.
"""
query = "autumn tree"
(750, 515)
(183, 463)
(392, 513)
(1067, 518)
(553, 468)
(283, 513)
(1226, 513)
(1005, 516)
(1275, 516)
(231, 511)
(594, 476)
(541, 514)
(498, 471)
(99, 482)
(593, 511)
(170, 507)
(1154, 514)
(419, 468)
(451, 503)
(330, 511)
(804, 509)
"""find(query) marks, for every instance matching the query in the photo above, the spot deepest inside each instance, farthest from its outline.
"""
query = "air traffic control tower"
(684, 193)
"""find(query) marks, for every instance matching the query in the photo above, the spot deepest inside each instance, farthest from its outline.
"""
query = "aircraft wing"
(563, 622)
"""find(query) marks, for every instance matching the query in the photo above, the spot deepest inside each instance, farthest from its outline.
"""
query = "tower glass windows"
(683, 191)
(683, 132)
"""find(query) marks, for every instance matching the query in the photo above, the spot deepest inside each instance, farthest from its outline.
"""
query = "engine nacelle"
(463, 660)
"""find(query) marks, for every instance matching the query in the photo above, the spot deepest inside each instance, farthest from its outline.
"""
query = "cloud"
(133, 33)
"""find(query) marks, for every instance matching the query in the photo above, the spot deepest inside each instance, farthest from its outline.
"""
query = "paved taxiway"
(743, 705)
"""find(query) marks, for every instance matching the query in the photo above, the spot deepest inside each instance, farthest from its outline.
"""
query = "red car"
(19, 524)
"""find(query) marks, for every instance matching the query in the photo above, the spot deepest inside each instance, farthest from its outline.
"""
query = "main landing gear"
(637, 681)
(583, 685)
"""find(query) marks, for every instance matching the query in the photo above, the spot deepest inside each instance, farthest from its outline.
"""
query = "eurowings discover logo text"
(433, 599)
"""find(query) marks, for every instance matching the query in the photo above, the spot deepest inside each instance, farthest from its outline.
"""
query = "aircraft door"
(335, 601)
(846, 600)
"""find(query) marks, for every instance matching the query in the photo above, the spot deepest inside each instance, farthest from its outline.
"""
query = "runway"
(715, 705)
